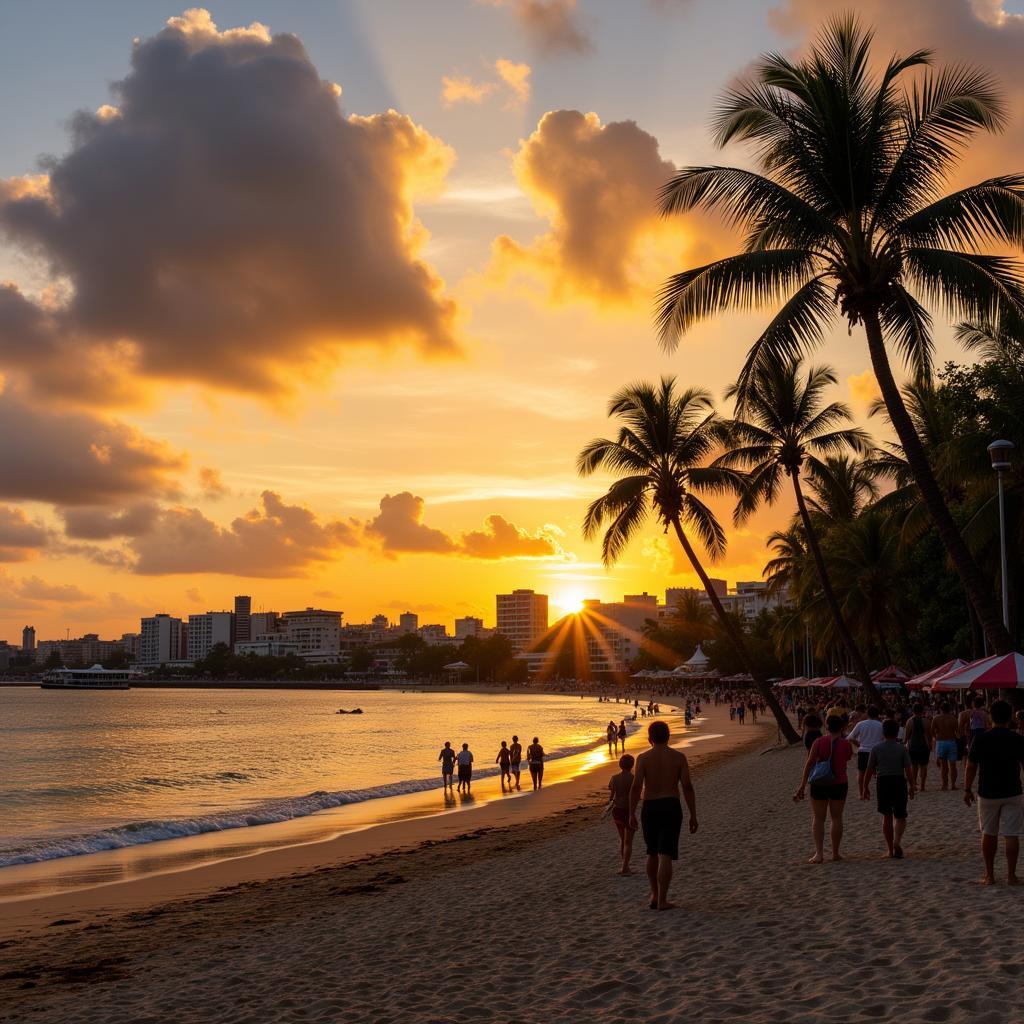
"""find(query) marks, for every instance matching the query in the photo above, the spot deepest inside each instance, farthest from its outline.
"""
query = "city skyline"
(379, 448)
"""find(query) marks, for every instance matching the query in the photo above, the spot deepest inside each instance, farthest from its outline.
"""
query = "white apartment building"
(267, 647)
(468, 626)
(316, 632)
(522, 617)
(207, 630)
(160, 640)
(408, 622)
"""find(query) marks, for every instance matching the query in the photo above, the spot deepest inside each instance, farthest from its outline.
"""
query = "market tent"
(925, 679)
(890, 674)
(841, 683)
(998, 672)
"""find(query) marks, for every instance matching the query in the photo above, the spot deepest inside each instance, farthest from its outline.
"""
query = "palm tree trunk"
(859, 665)
(781, 718)
(978, 591)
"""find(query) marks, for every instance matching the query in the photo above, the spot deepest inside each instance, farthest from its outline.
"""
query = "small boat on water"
(95, 678)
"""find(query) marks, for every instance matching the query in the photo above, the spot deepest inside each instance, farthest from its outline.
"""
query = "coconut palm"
(783, 425)
(659, 461)
(848, 222)
(841, 487)
(866, 562)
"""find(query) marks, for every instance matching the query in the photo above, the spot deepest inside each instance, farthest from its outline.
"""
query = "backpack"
(823, 773)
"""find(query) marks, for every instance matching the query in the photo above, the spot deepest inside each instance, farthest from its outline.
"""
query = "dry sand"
(530, 924)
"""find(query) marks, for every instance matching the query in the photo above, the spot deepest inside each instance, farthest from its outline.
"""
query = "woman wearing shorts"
(535, 758)
(828, 799)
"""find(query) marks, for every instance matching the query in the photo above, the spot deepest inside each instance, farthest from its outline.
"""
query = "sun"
(570, 601)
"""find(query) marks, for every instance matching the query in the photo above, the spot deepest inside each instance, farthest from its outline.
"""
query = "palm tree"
(787, 425)
(848, 221)
(665, 439)
(868, 568)
(841, 488)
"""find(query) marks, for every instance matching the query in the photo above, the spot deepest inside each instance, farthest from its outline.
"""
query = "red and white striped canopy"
(999, 672)
(840, 683)
(925, 679)
(794, 682)
(891, 674)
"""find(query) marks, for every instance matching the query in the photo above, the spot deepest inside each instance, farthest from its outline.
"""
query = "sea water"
(82, 772)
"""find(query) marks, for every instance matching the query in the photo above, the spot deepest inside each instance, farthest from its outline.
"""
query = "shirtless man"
(944, 731)
(660, 772)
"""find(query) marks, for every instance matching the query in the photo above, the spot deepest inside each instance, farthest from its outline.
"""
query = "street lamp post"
(999, 452)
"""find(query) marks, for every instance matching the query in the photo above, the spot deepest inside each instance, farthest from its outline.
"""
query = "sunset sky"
(319, 301)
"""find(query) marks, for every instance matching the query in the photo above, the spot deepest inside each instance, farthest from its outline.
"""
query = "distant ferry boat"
(95, 678)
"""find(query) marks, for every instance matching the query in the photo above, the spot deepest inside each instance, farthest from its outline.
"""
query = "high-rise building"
(206, 631)
(408, 622)
(380, 622)
(28, 639)
(469, 626)
(160, 640)
(316, 632)
(243, 611)
(522, 618)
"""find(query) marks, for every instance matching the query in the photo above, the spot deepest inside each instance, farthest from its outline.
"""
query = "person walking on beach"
(504, 761)
(535, 759)
(465, 760)
(660, 774)
(978, 721)
(515, 753)
(613, 738)
(890, 759)
(826, 770)
(741, 711)
(944, 731)
(619, 786)
(865, 735)
(996, 757)
(447, 759)
(622, 735)
(919, 743)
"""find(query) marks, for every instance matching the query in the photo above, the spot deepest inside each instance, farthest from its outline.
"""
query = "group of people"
(509, 761)
(895, 747)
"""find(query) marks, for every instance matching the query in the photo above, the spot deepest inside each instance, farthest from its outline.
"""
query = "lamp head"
(999, 452)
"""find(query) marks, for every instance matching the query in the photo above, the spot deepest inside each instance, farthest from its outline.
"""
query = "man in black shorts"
(660, 773)
(890, 760)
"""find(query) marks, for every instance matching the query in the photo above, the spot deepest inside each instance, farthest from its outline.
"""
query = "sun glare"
(570, 602)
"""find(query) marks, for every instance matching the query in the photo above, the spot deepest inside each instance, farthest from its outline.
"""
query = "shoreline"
(384, 834)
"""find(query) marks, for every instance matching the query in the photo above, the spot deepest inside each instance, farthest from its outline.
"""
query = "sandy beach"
(526, 920)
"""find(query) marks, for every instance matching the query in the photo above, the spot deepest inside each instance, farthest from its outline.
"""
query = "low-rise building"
(267, 647)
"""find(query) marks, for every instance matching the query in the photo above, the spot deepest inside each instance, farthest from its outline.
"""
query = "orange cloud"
(517, 77)
(400, 527)
(21, 539)
(230, 226)
(502, 539)
(462, 89)
(211, 485)
(273, 540)
(597, 185)
(863, 387)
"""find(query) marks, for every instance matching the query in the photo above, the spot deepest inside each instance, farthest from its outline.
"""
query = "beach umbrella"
(998, 672)
(457, 666)
(925, 679)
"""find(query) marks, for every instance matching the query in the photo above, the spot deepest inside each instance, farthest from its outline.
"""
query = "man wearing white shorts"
(996, 757)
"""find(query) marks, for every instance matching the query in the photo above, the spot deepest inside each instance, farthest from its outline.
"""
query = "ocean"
(87, 772)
